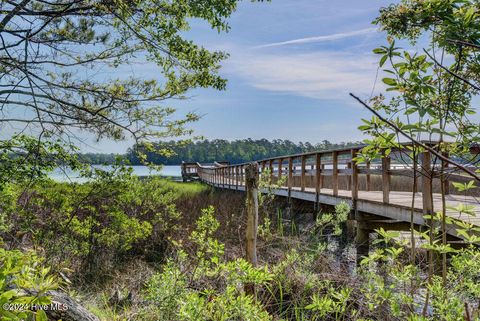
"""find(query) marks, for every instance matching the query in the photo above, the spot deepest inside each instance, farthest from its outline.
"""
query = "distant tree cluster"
(237, 151)
(209, 151)
(98, 158)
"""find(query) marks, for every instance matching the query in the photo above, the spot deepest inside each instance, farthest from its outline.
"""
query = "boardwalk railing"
(334, 170)
(385, 191)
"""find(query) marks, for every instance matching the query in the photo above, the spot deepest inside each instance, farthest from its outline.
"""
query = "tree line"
(207, 151)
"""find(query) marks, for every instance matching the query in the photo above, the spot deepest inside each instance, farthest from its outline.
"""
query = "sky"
(292, 64)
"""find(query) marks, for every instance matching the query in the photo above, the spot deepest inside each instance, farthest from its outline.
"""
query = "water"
(61, 175)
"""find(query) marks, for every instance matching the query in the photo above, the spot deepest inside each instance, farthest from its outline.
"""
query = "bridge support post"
(362, 243)
(251, 184)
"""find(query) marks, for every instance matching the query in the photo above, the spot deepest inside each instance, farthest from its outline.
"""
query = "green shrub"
(90, 225)
(202, 285)
(23, 284)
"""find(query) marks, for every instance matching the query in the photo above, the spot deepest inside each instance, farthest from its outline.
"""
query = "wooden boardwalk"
(380, 193)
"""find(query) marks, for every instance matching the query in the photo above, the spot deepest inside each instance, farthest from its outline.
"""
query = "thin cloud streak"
(318, 75)
(332, 37)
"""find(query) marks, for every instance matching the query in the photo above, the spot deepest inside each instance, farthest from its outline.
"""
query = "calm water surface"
(61, 175)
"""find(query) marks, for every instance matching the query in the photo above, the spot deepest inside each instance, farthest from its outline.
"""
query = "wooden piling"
(251, 184)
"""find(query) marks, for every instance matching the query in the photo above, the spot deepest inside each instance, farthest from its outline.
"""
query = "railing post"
(290, 176)
(264, 165)
(222, 176)
(446, 183)
(349, 180)
(335, 173)
(224, 181)
(280, 161)
(235, 174)
(427, 183)
(318, 176)
(368, 182)
(354, 175)
(229, 181)
(386, 178)
(302, 177)
(239, 176)
(242, 172)
(270, 167)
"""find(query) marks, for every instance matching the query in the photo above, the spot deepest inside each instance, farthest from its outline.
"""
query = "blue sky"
(292, 64)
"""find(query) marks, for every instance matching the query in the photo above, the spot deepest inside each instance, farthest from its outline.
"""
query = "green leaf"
(383, 60)
(41, 316)
(390, 81)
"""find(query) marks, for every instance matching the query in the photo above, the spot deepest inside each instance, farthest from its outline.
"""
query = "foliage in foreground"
(85, 225)
(195, 277)
(23, 284)
(200, 284)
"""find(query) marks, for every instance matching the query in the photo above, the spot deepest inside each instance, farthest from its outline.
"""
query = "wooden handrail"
(316, 171)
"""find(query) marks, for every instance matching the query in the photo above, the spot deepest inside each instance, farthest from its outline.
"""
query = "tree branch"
(416, 142)
(451, 72)
(12, 14)
(460, 42)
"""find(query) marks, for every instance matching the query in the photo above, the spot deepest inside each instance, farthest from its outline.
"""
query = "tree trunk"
(65, 308)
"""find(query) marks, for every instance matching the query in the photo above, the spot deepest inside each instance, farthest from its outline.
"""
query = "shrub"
(23, 284)
(202, 285)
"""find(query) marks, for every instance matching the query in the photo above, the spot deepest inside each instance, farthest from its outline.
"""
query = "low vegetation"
(153, 249)
(150, 249)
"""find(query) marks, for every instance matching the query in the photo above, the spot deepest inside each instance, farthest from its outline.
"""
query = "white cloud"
(331, 37)
(319, 75)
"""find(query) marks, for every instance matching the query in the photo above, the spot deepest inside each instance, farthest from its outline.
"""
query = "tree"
(431, 101)
(60, 59)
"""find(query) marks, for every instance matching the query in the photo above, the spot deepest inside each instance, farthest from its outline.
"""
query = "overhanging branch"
(416, 142)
